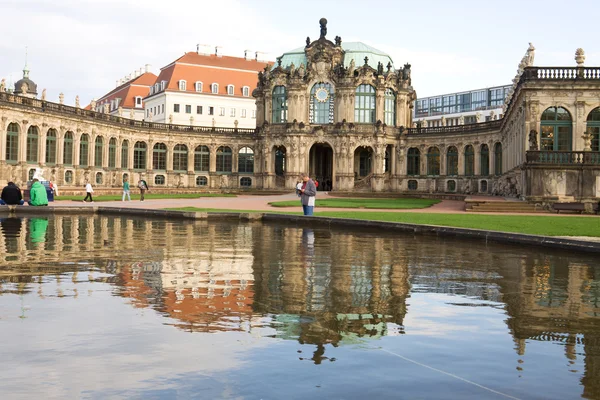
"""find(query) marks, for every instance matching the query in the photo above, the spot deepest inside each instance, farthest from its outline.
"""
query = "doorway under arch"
(320, 165)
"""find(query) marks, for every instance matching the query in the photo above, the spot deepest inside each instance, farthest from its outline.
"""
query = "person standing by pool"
(37, 194)
(88, 190)
(308, 195)
(126, 190)
(143, 186)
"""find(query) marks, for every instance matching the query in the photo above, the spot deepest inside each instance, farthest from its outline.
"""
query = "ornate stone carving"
(43, 94)
(77, 101)
(579, 57)
(533, 141)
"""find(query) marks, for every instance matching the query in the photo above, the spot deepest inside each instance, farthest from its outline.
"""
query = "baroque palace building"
(339, 111)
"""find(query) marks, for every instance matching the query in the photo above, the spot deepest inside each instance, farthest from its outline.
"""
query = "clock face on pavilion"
(321, 95)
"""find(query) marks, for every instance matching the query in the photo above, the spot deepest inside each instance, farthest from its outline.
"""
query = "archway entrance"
(321, 165)
(279, 159)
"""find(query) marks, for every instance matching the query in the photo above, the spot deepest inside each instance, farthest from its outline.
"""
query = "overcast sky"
(81, 47)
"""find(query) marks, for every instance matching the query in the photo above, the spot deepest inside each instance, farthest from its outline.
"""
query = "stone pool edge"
(437, 230)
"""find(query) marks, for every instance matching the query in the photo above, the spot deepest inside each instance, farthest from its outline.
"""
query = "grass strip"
(395, 204)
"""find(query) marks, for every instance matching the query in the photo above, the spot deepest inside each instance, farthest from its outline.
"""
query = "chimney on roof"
(118, 83)
(217, 51)
(147, 69)
(141, 71)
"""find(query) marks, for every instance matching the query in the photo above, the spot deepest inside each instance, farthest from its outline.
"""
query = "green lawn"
(149, 196)
(363, 203)
(545, 225)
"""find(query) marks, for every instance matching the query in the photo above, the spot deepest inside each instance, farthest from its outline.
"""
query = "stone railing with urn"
(577, 158)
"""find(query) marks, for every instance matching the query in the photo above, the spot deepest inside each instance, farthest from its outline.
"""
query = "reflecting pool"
(111, 307)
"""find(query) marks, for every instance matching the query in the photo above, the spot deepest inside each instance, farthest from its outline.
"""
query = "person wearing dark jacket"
(11, 195)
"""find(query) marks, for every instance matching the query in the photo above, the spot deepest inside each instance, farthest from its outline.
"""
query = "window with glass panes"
(469, 161)
(201, 158)
(139, 155)
(484, 159)
(479, 100)
(246, 160)
(498, 159)
(84, 148)
(51, 146)
(279, 105)
(593, 128)
(452, 161)
(68, 149)
(414, 162)
(33, 139)
(201, 181)
(433, 161)
(320, 110)
(180, 158)
(365, 161)
(224, 159)
(98, 151)
(188, 108)
(12, 143)
(390, 107)
(555, 130)
(364, 104)
(112, 153)
(125, 154)
(159, 157)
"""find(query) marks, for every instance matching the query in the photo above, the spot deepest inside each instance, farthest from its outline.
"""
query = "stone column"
(379, 104)
(461, 160)
(477, 161)
(3, 130)
(191, 154)
(212, 167)
(118, 154)
(76, 141)
(22, 157)
(443, 160)
(234, 159)
(149, 155)
(579, 126)
(60, 146)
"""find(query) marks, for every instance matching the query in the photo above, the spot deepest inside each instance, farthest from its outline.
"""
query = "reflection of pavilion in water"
(318, 287)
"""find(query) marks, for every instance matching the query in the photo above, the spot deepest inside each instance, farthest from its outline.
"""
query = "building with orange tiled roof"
(126, 99)
(205, 90)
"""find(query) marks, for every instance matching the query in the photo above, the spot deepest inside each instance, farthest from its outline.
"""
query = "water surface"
(109, 307)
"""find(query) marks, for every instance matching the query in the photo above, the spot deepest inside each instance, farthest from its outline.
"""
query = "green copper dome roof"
(356, 51)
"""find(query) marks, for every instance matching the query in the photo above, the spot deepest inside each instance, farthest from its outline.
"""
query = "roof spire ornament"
(366, 60)
(26, 67)
(323, 23)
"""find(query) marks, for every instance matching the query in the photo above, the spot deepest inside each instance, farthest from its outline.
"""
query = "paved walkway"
(261, 203)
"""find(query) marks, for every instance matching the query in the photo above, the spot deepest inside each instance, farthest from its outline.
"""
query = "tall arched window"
(84, 149)
(498, 159)
(201, 159)
(452, 161)
(51, 146)
(390, 107)
(414, 162)
(98, 152)
(33, 139)
(180, 158)
(159, 157)
(320, 110)
(68, 149)
(364, 104)
(246, 160)
(433, 161)
(593, 128)
(12, 143)
(279, 105)
(125, 154)
(224, 159)
(139, 155)
(469, 161)
(484, 160)
(555, 130)
(112, 153)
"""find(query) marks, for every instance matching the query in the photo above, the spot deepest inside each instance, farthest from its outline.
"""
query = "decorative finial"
(579, 57)
(323, 23)
(307, 41)
(279, 61)
(26, 67)
(366, 60)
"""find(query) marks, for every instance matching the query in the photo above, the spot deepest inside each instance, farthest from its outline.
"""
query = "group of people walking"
(142, 185)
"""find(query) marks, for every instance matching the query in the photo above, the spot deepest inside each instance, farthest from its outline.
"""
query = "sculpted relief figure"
(292, 69)
(131, 114)
(77, 101)
(3, 85)
(61, 98)
(44, 94)
(533, 142)
(461, 120)
(301, 70)
(351, 68)
(530, 55)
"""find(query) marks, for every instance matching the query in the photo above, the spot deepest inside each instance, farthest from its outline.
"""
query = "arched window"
(198, 86)
(279, 105)
(182, 85)
(51, 146)
(84, 149)
(433, 161)
(201, 158)
(320, 110)
(451, 186)
(68, 176)
(498, 159)
(413, 184)
(230, 90)
(12, 143)
(364, 104)
(246, 91)
(139, 155)
(452, 161)
(30, 174)
(33, 138)
(112, 153)
(201, 181)
(390, 108)
(484, 160)
(245, 182)
(224, 159)
(593, 128)
(125, 154)
(214, 88)
(555, 130)
(68, 149)
(180, 158)
(365, 161)
(280, 155)
(159, 180)
(414, 162)
(99, 146)
(469, 161)
(159, 157)
(246, 160)
(99, 178)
